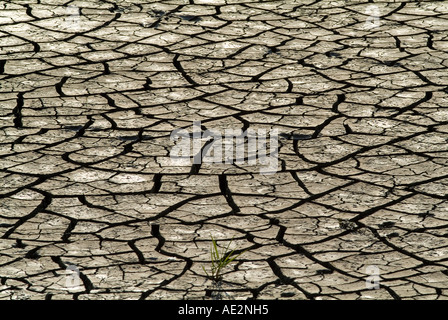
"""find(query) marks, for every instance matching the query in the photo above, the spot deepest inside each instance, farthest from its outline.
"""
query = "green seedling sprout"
(220, 260)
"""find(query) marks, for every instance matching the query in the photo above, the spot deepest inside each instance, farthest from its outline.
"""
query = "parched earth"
(91, 91)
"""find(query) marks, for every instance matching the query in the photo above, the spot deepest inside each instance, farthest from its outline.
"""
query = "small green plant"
(220, 260)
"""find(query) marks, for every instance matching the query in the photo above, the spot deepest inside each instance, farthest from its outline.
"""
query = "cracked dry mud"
(90, 93)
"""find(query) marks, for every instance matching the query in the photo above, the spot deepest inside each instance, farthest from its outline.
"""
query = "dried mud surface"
(89, 95)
